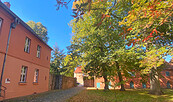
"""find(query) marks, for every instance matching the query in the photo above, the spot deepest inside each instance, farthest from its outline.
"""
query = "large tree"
(146, 23)
(39, 29)
(150, 24)
(100, 45)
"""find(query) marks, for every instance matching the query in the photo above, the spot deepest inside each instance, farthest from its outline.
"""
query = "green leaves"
(57, 61)
(136, 34)
(101, 46)
(39, 29)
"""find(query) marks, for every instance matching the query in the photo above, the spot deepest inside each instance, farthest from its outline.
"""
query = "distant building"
(79, 75)
(26, 63)
(166, 79)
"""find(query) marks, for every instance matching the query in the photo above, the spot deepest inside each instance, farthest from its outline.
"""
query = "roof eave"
(22, 22)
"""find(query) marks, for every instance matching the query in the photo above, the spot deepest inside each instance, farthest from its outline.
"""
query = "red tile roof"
(78, 70)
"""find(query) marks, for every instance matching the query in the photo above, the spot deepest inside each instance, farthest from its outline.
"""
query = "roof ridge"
(22, 22)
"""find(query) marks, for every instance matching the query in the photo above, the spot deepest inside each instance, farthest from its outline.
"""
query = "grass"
(130, 95)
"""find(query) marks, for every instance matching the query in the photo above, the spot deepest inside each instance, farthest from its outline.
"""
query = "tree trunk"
(106, 83)
(155, 88)
(105, 73)
(120, 77)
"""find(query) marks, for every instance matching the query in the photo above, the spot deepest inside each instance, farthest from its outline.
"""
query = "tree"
(57, 61)
(127, 61)
(71, 61)
(146, 23)
(153, 63)
(150, 20)
(39, 29)
(150, 24)
(92, 48)
(100, 46)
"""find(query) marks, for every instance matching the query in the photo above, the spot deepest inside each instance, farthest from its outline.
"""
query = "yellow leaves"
(145, 14)
(79, 2)
(96, 2)
(153, 58)
(74, 4)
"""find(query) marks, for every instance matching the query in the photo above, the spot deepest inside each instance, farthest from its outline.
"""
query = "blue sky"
(44, 11)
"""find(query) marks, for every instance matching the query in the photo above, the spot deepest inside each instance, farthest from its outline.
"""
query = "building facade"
(27, 64)
(135, 81)
(78, 74)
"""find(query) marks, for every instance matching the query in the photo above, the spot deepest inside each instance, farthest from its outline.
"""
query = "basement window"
(168, 85)
(144, 85)
(131, 84)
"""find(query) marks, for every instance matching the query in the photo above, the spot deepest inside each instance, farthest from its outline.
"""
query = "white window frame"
(27, 45)
(0, 23)
(38, 51)
(23, 74)
(36, 74)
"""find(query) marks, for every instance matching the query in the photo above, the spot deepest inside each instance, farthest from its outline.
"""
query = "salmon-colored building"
(135, 81)
(24, 57)
(79, 75)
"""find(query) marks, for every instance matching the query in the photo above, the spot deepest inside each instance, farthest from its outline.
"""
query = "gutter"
(12, 26)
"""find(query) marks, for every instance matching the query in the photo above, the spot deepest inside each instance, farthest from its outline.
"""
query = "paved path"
(52, 96)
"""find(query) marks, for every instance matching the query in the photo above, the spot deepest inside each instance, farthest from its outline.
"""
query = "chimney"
(7, 4)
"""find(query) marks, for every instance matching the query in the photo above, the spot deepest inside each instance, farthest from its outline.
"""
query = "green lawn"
(126, 96)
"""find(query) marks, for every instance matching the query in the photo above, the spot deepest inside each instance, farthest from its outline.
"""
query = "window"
(0, 23)
(36, 76)
(98, 85)
(23, 74)
(144, 85)
(110, 85)
(168, 85)
(167, 73)
(38, 51)
(131, 84)
(27, 44)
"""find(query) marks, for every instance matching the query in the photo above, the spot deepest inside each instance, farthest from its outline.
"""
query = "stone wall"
(68, 82)
(61, 82)
(89, 83)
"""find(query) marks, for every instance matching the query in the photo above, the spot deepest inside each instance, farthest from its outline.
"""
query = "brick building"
(24, 57)
(166, 79)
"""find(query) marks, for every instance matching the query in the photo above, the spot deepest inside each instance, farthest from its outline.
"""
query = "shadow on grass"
(130, 95)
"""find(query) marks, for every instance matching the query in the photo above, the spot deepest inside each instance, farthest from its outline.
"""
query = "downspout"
(12, 26)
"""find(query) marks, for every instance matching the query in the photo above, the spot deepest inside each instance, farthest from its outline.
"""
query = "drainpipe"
(12, 26)
(94, 80)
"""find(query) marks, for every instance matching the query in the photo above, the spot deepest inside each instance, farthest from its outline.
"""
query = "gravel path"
(51, 96)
